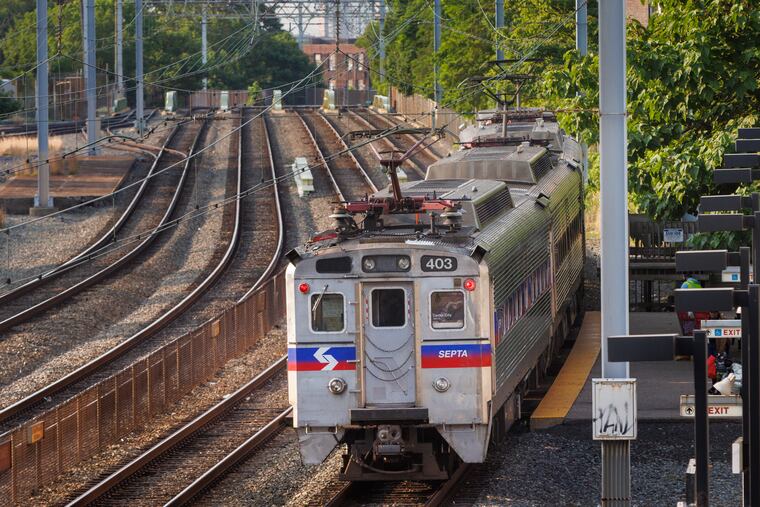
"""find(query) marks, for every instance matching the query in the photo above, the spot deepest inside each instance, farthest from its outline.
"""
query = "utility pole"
(204, 43)
(300, 25)
(90, 76)
(436, 48)
(499, 26)
(43, 199)
(382, 40)
(616, 454)
(139, 105)
(581, 45)
(581, 26)
(119, 20)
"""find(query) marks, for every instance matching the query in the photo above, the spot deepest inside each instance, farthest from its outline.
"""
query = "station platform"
(659, 385)
(94, 177)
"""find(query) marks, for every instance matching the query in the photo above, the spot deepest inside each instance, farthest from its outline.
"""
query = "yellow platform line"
(558, 401)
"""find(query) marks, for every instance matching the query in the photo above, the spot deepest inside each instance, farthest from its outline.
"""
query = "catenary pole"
(616, 459)
(499, 26)
(43, 171)
(119, 57)
(90, 76)
(139, 92)
(204, 43)
(382, 40)
(581, 45)
(436, 66)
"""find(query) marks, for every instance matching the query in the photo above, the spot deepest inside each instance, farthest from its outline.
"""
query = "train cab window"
(388, 308)
(447, 309)
(327, 313)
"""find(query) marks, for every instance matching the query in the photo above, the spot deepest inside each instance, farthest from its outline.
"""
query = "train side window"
(388, 307)
(447, 309)
(327, 313)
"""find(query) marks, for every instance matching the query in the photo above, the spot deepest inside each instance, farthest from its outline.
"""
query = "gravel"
(39, 353)
(235, 373)
(567, 461)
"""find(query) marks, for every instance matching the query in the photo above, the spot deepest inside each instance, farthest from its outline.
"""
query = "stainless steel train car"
(415, 325)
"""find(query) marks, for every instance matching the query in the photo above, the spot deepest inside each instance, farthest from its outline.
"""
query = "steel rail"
(364, 174)
(321, 157)
(40, 307)
(280, 220)
(101, 242)
(223, 467)
(448, 488)
(421, 168)
(330, 172)
(179, 436)
(413, 163)
(39, 396)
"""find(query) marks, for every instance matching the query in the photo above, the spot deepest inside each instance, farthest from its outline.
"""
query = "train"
(418, 322)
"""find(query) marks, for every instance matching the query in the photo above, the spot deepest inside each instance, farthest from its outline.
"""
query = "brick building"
(341, 71)
(641, 11)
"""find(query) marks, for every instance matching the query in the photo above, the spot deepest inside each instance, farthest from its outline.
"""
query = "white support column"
(204, 43)
(139, 94)
(91, 84)
(119, 20)
(382, 40)
(616, 487)
(43, 199)
(581, 45)
(499, 25)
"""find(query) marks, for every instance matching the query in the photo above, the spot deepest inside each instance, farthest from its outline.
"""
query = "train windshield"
(388, 308)
(327, 313)
(447, 309)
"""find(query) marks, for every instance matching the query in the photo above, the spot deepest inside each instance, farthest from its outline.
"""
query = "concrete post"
(139, 93)
(90, 75)
(614, 226)
(43, 199)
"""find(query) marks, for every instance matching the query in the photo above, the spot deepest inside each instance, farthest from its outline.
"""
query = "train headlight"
(337, 385)
(441, 384)
(368, 264)
(403, 263)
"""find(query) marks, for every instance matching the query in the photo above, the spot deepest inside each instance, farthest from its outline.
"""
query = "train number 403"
(438, 263)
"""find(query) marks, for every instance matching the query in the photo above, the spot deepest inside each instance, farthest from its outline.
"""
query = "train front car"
(415, 325)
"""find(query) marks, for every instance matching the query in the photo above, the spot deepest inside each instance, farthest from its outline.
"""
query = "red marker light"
(469, 284)
(304, 288)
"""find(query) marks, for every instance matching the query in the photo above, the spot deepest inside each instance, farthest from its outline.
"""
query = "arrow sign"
(329, 361)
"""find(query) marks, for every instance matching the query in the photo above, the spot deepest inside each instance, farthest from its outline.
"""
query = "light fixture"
(441, 384)
(304, 288)
(337, 385)
(403, 263)
(469, 284)
(368, 263)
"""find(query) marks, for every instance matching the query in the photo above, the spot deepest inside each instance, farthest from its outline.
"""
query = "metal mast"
(499, 25)
(43, 199)
(119, 20)
(90, 77)
(204, 43)
(616, 455)
(139, 105)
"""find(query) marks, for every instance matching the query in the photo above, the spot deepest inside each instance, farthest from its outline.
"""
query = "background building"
(341, 71)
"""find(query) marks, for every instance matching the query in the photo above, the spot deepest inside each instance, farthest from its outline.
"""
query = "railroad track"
(118, 120)
(99, 244)
(179, 467)
(347, 176)
(421, 159)
(165, 191)
(412, 169)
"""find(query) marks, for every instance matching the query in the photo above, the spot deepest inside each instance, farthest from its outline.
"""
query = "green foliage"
(8, 104)
(254, 90)
(238, 53)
